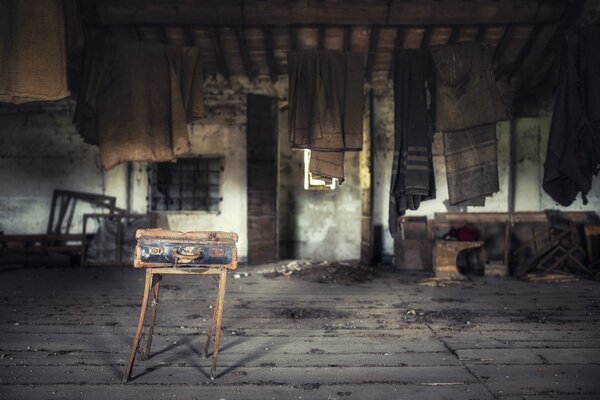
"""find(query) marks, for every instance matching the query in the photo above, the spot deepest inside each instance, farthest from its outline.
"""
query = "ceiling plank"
(240, 35)
(398, 45)
(372, 51)
(215, 39)
(270, 52)
(328, 12)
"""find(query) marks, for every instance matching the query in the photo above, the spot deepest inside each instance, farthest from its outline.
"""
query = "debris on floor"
(345, 273)
(553, 278)
(308, 312)
(443, 281)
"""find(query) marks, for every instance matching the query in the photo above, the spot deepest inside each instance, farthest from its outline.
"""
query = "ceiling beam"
(503, 43)
(293, 36)
(240, 35)
(321, 37)
(398, 45)
(270, 52)
(481, 32)
(523, 53)
(347, 38)
(328, 12)
(188, 36)
(426, 39)
(218, 50)
(372, 51)
(163, 34)
(454, 33)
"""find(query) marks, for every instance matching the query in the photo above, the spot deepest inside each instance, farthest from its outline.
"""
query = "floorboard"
(65, 334)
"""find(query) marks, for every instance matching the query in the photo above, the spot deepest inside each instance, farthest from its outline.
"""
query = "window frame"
(152, 172)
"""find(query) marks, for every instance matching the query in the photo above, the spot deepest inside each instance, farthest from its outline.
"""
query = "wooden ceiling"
(252, 38)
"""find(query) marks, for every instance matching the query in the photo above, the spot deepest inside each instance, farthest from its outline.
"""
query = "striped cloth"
(412, 169)
(471, 165)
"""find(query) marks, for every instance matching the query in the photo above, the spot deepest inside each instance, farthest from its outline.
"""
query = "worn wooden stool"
(445, 254)
(163, 252)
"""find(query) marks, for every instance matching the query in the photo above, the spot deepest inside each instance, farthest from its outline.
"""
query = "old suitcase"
(164, 248)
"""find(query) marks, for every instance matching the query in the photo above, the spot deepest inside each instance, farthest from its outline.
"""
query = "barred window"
(190, 184)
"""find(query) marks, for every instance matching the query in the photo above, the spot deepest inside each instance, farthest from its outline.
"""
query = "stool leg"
(221, 300)
(138, 334)
(156, 287)
(211, 331)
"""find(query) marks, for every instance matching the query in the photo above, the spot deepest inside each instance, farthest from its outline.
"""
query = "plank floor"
(65, 334)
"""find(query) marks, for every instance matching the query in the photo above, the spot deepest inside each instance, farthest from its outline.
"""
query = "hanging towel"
(326, 107)
(32, 51)
(138, 98)
(573, 152)
(326, 165)
(467, 94)
(471, 165)
(412, 170)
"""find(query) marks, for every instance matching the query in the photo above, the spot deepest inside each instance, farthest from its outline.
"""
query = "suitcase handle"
(186, 254)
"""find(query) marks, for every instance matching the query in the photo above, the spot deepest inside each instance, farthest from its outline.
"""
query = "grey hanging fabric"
(326, 107)
(471, 165)
(467, 94)
(32, 51)
(573, 152)
(468, 105)
(412, 170)
(137, 99)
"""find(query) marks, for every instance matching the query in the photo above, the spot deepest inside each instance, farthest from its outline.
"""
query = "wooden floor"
(65, 334)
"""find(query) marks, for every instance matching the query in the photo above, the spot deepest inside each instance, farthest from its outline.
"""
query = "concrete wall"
(531, 141)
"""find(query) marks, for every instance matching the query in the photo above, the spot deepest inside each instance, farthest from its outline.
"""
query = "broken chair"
(557, 248)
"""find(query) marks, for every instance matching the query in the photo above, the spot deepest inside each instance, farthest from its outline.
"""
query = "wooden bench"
(42, 244)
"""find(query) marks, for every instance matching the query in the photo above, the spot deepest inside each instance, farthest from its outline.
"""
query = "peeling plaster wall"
(532, 138)
(40, 151)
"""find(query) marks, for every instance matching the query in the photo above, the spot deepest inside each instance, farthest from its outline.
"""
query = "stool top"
(160, 233)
